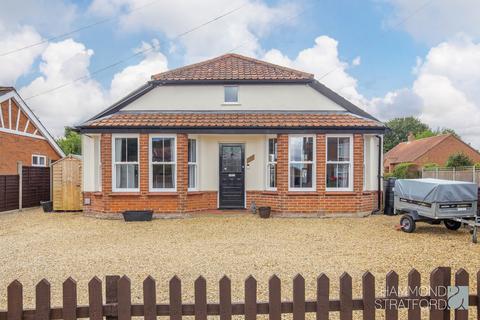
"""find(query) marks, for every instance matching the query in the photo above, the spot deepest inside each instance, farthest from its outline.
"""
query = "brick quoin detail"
(317, 202)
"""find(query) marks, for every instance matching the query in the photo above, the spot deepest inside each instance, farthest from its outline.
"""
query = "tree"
(70, 142)
(399, 130)
(425, 134)
(459, 160)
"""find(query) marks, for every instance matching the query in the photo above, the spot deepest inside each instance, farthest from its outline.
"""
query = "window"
(125, 163)
(301, 163)
(162, 163)
(39, 161)
(339, 163)
(192, 164)
(272, 164)
(231, 94)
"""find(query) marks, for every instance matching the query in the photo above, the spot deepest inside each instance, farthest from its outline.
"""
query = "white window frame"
(39, 156)
(114, 163)
(151, 163)
(194, 163)
(267, 175)
(350, 168)
(313, 162)
(238, 95)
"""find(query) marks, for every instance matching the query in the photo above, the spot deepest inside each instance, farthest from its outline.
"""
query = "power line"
(119, 62)
(63, 35)
(402, 21)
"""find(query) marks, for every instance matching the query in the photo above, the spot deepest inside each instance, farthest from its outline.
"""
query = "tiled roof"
(231, 120)
(233, 67)
(412, 150)
(4, 90)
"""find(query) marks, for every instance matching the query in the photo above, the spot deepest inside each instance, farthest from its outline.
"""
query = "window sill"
(162, 193)
(270, 192)
(340, 193)
(192, 192)
(124, 193)
(231, 104)
(302, 193)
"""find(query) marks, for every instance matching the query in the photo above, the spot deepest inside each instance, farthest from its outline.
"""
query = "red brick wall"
(440, 153)
(282, 200)
(21, 148)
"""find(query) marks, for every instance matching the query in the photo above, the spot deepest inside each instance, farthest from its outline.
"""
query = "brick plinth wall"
(319, 202)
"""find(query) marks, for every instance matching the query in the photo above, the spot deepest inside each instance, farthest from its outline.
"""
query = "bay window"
(339, 163)
(162, 158)
(192, 164)
(125, 163)
(272, 164)
(301, 163)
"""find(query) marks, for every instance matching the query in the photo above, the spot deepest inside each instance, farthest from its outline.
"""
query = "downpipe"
(379, 208)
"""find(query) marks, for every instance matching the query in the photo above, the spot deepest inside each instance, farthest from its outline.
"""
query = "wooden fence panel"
(95, 299)
(69, 299)
(368, 290)
(274, 298)
(175, 298)
(414, 280)
(200, 299)
(346, 303)
(42, 300)
(118, 304)
(9, 192)
(225, 287)
(250, 298)
(15, 300)
(35, 186)
(323, 299)
(391, 311)
(149, 299)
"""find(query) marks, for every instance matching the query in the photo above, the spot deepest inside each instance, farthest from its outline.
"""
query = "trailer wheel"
(407, 223)
(452, 225)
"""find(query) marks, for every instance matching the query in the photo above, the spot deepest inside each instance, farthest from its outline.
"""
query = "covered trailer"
(435, 201)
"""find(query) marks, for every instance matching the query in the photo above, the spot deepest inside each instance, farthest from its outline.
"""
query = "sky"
(393, 58)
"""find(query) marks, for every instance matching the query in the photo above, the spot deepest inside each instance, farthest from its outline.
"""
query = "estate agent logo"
(457, 297)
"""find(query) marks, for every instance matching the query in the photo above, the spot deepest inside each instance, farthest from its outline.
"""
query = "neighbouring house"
(228, 133)
(22, 136)
(434, 149)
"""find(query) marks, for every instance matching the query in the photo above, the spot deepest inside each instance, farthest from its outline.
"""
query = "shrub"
(405, 171)
(477, 165)
(431, 165)
(459, 160)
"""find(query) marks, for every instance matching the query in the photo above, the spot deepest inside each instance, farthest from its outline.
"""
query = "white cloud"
(445, 92)
(20, 63)
(436, 20)
(68, 61)
(47, 16)
(63, 62)
(323, 61)
(241, 30)
(134, 76)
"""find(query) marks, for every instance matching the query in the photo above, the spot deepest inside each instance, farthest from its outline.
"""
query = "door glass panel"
(231, 159)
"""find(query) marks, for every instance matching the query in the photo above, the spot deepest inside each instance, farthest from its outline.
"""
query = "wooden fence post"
(15, 301)
(250, 298)
(391, 312)
(274, 298)
(111, 292)
(323, 297)
(225, 298)
(149, 299)
(95, 299)
(20, 184)
(346, 303)
(414, 280)
(368, 295)
(175, 293)
(461, 279)
(124, 299)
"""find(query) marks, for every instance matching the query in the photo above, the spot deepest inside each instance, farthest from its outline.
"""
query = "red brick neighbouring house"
(435, 149)
(232, 132)
(22, 136)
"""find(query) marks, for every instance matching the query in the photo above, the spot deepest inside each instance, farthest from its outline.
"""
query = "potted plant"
(145, 215)
(264, 212)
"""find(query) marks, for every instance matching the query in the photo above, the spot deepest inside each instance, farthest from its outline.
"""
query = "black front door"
(232, 176)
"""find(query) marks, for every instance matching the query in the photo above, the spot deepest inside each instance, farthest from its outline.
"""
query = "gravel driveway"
(34, 245)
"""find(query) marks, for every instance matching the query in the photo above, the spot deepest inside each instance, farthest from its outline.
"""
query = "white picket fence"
(469, 174)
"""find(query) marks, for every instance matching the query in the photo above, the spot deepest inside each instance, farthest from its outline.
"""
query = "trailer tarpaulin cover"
(435, 190)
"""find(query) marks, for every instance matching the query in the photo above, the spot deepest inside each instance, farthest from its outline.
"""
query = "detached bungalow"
(228, 133)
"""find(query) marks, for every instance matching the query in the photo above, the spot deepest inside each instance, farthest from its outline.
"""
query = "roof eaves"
(335, 97)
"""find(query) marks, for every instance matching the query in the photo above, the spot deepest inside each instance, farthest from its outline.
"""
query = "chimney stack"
(411, 137)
